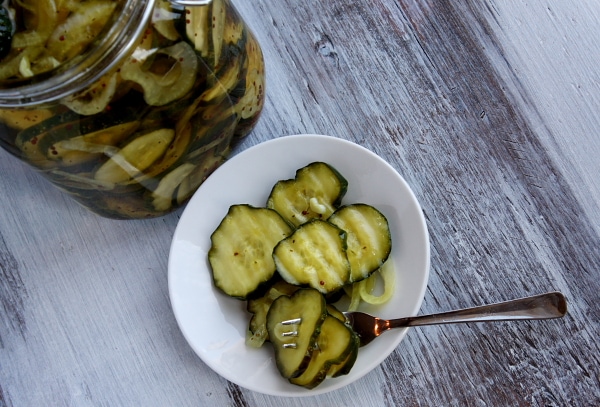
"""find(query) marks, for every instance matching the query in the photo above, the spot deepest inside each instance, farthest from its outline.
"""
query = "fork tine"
(295, 321)
(290, 334)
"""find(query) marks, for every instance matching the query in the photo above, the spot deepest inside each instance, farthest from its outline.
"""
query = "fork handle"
(544, 306)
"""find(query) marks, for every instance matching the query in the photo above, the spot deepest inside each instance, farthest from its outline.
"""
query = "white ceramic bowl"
(215, 325)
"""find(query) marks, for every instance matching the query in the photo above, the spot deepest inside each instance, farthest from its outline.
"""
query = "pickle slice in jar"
(207, 163)
(225, 80)
(214, 134)
(20, 119)
(251, 103)
(81, 149)
(233, 32)
(11, 66)
(40, 20)
(80, 29)
(164, 193)
(95, 98)
(165, 75)
(218, 28)
(28, 140)
(135, 157)
(174, 153)
(197, 28)
(205, 27)
(70, 125)
(163, 20)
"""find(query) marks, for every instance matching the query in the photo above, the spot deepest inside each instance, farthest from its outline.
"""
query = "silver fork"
(544, 306)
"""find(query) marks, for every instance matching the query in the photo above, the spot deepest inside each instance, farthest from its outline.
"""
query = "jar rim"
(126, 27)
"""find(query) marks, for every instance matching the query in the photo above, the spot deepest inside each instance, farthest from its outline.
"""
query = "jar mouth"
(126, 26)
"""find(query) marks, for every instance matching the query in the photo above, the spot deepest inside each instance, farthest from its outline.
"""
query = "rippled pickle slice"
(335, 343)
(314, 255)
(315, 192)
(293, 324)
(258, 307)
(240, 252)
(368, 236)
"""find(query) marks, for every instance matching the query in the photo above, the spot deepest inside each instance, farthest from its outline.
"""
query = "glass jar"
(127, 105)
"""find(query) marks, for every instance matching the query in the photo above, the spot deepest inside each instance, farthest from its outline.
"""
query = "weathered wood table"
(489, 109)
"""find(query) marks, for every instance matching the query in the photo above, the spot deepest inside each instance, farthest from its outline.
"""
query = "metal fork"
(544, 306)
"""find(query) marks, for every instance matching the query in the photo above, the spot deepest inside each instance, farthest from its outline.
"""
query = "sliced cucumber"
(197, 28)
(135, 157)
(314, 255)
(80, 29)
(334, 344)
(166, 75)
(218, 28)
(241, 249)
(344, 367)
(336, 313)
(30, 139)
(259, 307)
(315, 193)
(95, 98)
(164, 194)
(295, 341)
(80, 149)
(368, 238)
(20, 119)
(163, 20)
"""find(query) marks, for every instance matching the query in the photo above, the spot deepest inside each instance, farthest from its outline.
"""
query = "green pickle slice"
(335, 343)
(369, 238)
(135, 157)
(314, 255)
(315, 193)
(259, 307)
(168, 74)
(293, 324)
(241, 247)
(81, 28)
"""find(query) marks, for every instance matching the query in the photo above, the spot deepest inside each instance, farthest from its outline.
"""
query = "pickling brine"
(127, 106)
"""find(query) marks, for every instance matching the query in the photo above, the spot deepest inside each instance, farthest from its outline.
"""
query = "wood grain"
(487, 109)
